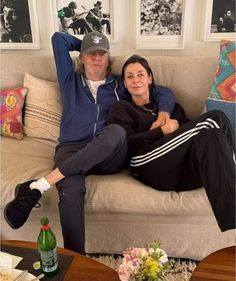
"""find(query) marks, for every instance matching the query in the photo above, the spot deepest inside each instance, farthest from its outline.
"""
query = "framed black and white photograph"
(219, 20)
(160, 24)
(19, 24)
(82, 16)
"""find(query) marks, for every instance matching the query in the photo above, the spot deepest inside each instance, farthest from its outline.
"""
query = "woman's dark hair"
(144, 63)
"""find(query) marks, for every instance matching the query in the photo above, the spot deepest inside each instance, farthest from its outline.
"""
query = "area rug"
(180, 269)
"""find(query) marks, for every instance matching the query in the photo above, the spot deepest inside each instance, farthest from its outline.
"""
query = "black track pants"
(200, 153)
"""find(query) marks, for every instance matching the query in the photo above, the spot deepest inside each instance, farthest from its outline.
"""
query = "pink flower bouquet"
(147, 264)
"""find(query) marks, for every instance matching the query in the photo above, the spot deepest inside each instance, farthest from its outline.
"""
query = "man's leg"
(96, 25)
(71, 206)
(110, 143)
(108, 153)
(76, 159)
(106, 22)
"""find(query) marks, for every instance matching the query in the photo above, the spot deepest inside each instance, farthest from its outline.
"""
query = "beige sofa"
(120, 211)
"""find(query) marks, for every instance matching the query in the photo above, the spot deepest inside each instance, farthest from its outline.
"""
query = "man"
(98, 19)
(228, 22)
(86, 144)
(15, 21)
(220, 25)
(66, 14)
(70, 19)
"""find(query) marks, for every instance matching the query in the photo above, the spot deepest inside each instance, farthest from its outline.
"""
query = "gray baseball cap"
(94, 41)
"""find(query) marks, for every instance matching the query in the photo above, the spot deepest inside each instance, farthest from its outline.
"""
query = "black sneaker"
(17, 211)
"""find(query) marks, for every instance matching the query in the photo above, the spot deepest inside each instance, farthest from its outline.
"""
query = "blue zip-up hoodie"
(83, 117)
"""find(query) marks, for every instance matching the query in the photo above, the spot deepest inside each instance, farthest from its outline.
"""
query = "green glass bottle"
(47, 247)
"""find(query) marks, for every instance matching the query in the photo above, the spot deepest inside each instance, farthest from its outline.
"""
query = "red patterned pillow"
(11, 104)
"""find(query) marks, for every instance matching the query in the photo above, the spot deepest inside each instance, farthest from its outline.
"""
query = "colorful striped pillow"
(224, 83)
(223, 92)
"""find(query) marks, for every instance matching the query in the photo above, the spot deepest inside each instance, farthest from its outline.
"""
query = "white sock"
(41, 184)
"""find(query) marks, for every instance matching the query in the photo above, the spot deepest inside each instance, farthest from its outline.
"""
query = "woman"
(163, 12)
(168, 22)
(180, 155)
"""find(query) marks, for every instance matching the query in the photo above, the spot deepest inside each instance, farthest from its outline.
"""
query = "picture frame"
(85, 18)
(213, 27)
(155, 35)
(25, 32)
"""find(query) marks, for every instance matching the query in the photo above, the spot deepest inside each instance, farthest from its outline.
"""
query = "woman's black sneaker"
(18, 210)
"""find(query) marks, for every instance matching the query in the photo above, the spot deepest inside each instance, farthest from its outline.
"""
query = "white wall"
(125, 31)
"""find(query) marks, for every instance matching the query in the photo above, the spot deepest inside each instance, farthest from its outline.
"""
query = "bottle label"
(45, 226)
(49, 260)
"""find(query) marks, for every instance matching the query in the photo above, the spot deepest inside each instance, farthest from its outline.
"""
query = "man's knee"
(117, 134)
(71, 187)
(117, 130)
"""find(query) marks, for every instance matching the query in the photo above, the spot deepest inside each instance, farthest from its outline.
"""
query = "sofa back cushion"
(13, 68)
(42, 108)
(189, 77)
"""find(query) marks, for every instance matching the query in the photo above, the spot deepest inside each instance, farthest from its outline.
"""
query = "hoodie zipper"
(95, 124)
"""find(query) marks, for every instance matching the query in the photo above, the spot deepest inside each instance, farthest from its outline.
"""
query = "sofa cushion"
(119, 192)
(12, 101)
(42, 108)
(24, 160)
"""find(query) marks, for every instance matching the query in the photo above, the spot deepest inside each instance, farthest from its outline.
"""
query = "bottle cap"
(44, 221)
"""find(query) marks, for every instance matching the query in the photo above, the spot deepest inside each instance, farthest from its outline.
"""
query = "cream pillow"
(42, 108)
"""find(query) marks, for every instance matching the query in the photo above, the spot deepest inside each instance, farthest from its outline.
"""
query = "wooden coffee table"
(218, 266)
(81, 267)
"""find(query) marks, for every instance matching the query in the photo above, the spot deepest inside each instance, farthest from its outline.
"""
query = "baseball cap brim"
(95, 48)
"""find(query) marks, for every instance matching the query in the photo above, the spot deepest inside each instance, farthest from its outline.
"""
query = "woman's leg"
(214, 162)
(199, 153)
(163, 163)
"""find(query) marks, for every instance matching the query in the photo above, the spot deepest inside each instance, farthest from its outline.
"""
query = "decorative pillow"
(229, 108)
(42, 108)
(223, 92)
(224, 85)
(11, 104)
